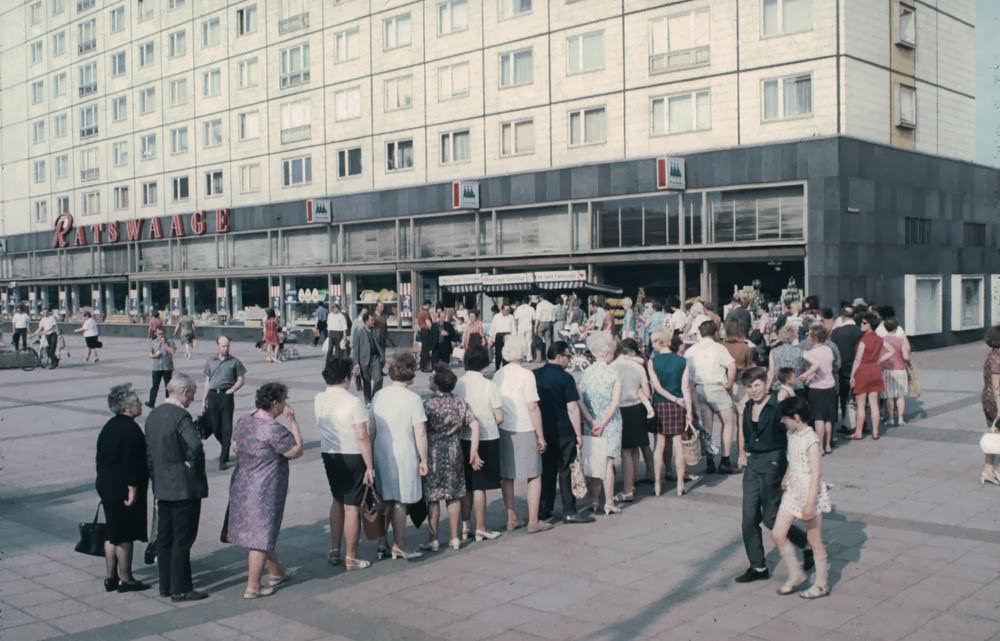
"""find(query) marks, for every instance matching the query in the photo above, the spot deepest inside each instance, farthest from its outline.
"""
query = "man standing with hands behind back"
(368, 357)
(223, 377)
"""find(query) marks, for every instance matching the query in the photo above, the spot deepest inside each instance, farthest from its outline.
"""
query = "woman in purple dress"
(260, 485)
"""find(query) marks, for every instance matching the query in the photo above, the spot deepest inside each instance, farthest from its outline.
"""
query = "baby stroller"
(287, 350)
(580, 357)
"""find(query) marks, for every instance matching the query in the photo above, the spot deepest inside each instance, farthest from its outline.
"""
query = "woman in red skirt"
(271, 337)
(672, 400)
(866, 375)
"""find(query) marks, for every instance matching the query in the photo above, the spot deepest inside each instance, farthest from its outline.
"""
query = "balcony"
(89, 175)
(296, 134)
(680, 59)
(295, 78)
(86, 90)
(294, 23)
(87, 45)
(84, 5)
(87, 132)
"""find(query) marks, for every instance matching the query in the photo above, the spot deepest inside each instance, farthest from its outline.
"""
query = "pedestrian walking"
(91, 335)
(524, 318)
(367, 354)
(161, 351)
(185, 332)
(154, 322)
(545, 317)
(501, 327)
(177, 468)
(763, 441)
(321, 314)
(48, 330)
(122, 482)
(19, 328)
(600, 391)
(333, 346)
(259, 485)
(866, 376)
(270, 337)
(223, 378)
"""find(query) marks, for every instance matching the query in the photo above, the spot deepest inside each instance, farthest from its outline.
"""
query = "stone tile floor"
(914, 540)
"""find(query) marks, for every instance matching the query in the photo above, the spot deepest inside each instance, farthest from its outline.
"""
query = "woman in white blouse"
(91, 335)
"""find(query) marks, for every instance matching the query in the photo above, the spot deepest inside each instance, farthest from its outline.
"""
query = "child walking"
(805, 497)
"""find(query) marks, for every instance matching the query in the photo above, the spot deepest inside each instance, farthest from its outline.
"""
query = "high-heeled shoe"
(430, 546)
(611, 509)
(351, 565)
(455, 544)
(486, 535)
(403, 554)
(984, 478)
(110, 585)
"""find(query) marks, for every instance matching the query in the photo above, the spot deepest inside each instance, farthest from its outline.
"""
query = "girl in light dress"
(806, 497)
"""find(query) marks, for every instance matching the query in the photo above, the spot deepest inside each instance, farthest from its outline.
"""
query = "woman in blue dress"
(600, 395)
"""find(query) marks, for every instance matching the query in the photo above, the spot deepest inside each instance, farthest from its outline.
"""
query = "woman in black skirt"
(635, 416)
(122, 479)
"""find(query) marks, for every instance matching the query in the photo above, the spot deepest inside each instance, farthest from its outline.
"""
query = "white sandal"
(256, 594)
(815, 592)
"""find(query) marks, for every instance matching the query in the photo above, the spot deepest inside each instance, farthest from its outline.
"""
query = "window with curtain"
(682, 113)
(588, 126)
(680, 41)
(456, 147)
(757, 214)
(370, 242)
(533, 231)
(445, 237)
(782, 17)
(789, 97)
(585, 52)
(347, 103)
(516, 68)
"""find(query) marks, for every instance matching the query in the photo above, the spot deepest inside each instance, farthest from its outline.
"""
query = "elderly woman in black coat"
(122, 479)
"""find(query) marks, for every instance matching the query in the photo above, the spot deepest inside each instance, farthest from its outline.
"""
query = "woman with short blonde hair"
(600, 398)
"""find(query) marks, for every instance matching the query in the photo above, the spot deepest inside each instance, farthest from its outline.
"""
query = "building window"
(213, 183)
(248, 73)
(145, 10)
(349, 162)
(119, 153)
(453, 81)
(175, 4)
(296, 119)
(246, 20)
(517, 138)
(397, 32)
(90, 203)
(918, 231)
(249, 178)
(399, 93)
(149, 194)
(789, 97)
(249, 124)
(39, 171)
(513, 8)
(38, 132)
(907, 26)
(452, 17)
(118, 64)
(212, 131)
(293, 16)
(62, 167)
(682, 113)
(35, 12)
(59, 85)
(296, 171)
(37, 92)
(456, 147)
(118, 19)
(211, 83)
(179, 140)
(346, 45)
(585, 52)
(294, 66)
(58, 6)
(121, 197)
(180, 188)
(119, 108)
(89, 170)
(967, 302)
(178, 92)
(680, 41)
(59, 43)
(176, 44)
(906, 104)
(924, 304)
(973, 235)
(782, 17)
(88, 121)
(587, 127)
(88, 79)
(753, 215)
(147, 100)
(62, 205)
(60, 125)
(147, 147)
(347, 104)
(516, 68)
(36, 52)
(41, 211)
(146, 51)
(210, 33)
(88, 36)
(399, 155)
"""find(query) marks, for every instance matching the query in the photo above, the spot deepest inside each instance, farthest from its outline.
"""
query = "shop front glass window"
(372, 242)
(532, 231)
(251, 250)
(306, 247)
(445, 237)
(972, 302)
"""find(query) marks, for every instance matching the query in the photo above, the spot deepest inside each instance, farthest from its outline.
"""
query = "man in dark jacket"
(176, 463)
(738, 312)
(367, 354)
(846, 337)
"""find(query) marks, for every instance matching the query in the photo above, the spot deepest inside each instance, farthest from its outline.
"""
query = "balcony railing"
(87, 132)
(294, 23)
(88, 45)
(680, 59)
(296, 134)
(88, 175)
(84, 5)
(295, 78)
(86, 90)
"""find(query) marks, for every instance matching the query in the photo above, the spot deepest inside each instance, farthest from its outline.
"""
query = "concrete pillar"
(43, 295)
(235, 295)
(109, 299)
(74, 299)
(681, 282)
(709, 282)
(188, 288)
(704, 285)
(145, 299)
(285, 308)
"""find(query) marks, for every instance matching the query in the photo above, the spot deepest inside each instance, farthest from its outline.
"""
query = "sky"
(988, 82)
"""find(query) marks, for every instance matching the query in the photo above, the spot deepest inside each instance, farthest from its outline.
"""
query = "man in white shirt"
(712, 370)
(48, 328)
(336, 327)
(501, 327)
(19, 323)
(524, 316)
(545, 316)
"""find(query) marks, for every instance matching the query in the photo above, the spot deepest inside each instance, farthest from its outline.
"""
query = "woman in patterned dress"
(259, 485)
(805, 497)
(787, 353)
(447, 416)
(673, 400)
(991, 392)
(271, 337)
(600, 395)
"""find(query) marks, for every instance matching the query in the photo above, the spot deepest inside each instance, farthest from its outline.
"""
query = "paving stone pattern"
(913, 540)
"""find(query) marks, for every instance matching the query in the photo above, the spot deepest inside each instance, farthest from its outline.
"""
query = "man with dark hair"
(561, 424)
(712, 371)
(422, 327)
(845, 336)
(322, 313)
(738, 312)
(762, 444)
(368, 357)
(336, 331)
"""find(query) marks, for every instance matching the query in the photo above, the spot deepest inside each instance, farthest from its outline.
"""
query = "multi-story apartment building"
(787, 112)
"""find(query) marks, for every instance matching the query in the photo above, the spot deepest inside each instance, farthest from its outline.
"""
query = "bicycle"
(24, 357)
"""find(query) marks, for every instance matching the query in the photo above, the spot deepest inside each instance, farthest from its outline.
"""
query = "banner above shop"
(464, 195)
(319, 211)
(670, 173)
(573, 280)
(137, 229)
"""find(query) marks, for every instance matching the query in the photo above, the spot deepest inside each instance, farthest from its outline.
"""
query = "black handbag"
(224, 534)
(418, 513)
(203, 426)
(92, 536)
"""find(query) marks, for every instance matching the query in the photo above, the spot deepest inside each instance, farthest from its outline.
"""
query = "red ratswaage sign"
(136, 228)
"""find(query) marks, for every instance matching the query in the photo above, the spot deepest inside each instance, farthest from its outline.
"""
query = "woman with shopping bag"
(673, 401)
(600, 397)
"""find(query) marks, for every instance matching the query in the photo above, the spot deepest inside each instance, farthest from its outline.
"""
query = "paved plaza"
(914, 539)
